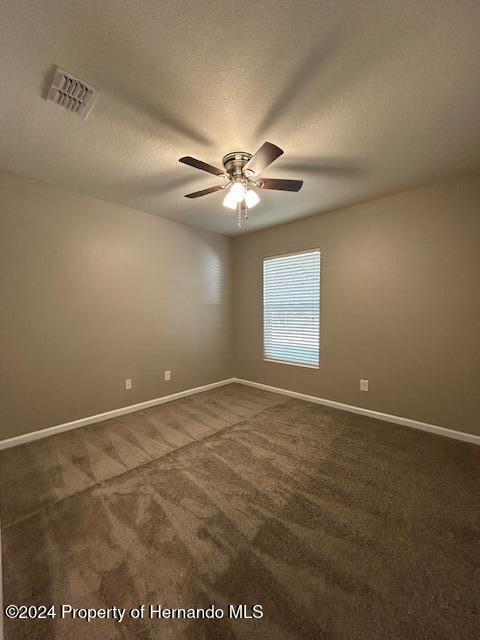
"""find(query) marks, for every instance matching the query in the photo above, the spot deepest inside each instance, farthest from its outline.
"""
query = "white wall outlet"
(363, 385)
(168, 376)
(128, 383)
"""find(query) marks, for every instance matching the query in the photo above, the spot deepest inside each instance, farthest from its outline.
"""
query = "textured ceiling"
(366, 98)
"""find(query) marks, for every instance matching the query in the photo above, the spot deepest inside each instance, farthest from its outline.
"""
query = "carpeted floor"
(340, 526)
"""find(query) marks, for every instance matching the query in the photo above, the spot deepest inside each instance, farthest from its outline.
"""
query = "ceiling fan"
(240, 174)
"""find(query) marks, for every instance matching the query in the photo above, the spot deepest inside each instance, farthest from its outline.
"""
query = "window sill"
(293, 364)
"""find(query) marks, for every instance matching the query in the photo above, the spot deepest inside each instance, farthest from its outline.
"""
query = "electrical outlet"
(363, 385)
(168, 376)
(128, 383)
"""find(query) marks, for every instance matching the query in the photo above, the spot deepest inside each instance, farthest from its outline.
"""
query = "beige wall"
(93, 293)
(400, 304)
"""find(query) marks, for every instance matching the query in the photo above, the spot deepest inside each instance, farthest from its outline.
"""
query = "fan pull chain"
(239, 215)
(242, 213)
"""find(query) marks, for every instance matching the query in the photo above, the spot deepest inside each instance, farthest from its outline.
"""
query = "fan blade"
(205, 192)
(267, 154)
(280, 185)
(198, 164)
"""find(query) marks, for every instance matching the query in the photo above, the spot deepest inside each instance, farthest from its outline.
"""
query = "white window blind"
(291, 308)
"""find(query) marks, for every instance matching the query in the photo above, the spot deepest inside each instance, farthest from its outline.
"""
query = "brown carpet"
(340, 526)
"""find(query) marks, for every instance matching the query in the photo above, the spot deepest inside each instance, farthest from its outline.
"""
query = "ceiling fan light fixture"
(241, 170)
(230, 201)
(251, 198)
(238, 191)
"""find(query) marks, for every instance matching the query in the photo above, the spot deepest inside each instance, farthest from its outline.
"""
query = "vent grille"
(71, 93)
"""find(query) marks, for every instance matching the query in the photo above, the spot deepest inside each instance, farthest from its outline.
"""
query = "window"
(291, 308)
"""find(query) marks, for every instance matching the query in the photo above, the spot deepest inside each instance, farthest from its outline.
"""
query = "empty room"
(240, 320)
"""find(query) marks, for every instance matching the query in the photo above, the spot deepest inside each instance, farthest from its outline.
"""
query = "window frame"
(286, 255)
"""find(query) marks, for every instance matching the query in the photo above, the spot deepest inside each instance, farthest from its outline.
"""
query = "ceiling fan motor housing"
(234, 163)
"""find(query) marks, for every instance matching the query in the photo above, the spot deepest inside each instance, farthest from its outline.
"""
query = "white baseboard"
(75, 424)
(406, 422)
(82, 422)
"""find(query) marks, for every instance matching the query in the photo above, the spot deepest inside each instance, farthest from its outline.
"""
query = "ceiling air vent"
(71, 93)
